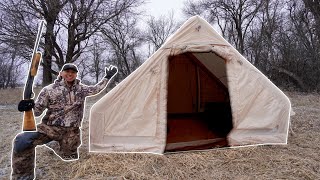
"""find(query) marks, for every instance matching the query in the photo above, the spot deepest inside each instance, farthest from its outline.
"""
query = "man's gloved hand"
(26, 105)
(111, 71)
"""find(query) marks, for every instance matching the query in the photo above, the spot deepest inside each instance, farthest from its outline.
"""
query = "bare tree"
(124, 39)
(262, 40)
(70, 24)
(304, 35)
(284, 44)
(10, 64)
(314, 7)
(83, 65)
(159, 29)
(99, 58)
(93, 61)
(234, 17)
(3, 70)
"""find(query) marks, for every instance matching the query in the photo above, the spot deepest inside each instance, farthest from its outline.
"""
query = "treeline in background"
(281, 38)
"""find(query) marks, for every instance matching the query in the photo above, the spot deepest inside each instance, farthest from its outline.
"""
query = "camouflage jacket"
(65, 104)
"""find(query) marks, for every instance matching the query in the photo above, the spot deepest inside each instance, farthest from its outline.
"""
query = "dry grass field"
(300, 159)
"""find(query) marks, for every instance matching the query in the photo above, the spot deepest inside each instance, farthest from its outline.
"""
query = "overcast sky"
(163, 7)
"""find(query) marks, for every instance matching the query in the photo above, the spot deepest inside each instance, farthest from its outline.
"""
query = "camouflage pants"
(23, 153)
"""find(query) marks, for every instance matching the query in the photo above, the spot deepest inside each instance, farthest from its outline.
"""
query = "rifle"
(29, 123)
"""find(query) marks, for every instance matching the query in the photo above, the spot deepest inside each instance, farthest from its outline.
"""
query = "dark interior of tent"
(199, 113)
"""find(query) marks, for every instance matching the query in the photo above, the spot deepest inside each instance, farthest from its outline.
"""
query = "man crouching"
(64, 100)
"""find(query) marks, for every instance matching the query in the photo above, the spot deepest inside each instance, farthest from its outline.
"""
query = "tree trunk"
(47, 58)
(10, 69)
(314, 7)
(293, 76)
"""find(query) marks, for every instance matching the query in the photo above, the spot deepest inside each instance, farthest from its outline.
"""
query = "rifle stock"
(35, 64)
(29, 123)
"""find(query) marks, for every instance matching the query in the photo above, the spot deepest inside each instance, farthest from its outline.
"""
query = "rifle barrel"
(36, 44)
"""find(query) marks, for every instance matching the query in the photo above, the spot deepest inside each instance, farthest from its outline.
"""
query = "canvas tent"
(195, 92)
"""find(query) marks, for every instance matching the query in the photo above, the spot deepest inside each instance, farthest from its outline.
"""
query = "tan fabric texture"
(133, 116)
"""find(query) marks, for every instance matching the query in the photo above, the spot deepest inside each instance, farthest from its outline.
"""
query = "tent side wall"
(132, 116)
(261, 112)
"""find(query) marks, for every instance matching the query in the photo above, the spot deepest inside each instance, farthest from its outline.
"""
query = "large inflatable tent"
(196, 92)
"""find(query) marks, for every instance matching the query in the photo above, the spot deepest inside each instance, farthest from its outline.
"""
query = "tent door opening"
(199, 113)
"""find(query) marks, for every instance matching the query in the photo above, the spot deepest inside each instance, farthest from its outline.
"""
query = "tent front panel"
(132, 117)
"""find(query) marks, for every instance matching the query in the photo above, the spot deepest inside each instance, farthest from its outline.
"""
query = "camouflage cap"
(70, 66)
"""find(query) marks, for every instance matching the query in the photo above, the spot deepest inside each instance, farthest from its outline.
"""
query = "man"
(64, 101)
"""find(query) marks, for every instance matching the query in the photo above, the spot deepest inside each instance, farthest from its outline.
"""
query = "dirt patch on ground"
(300, 159)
